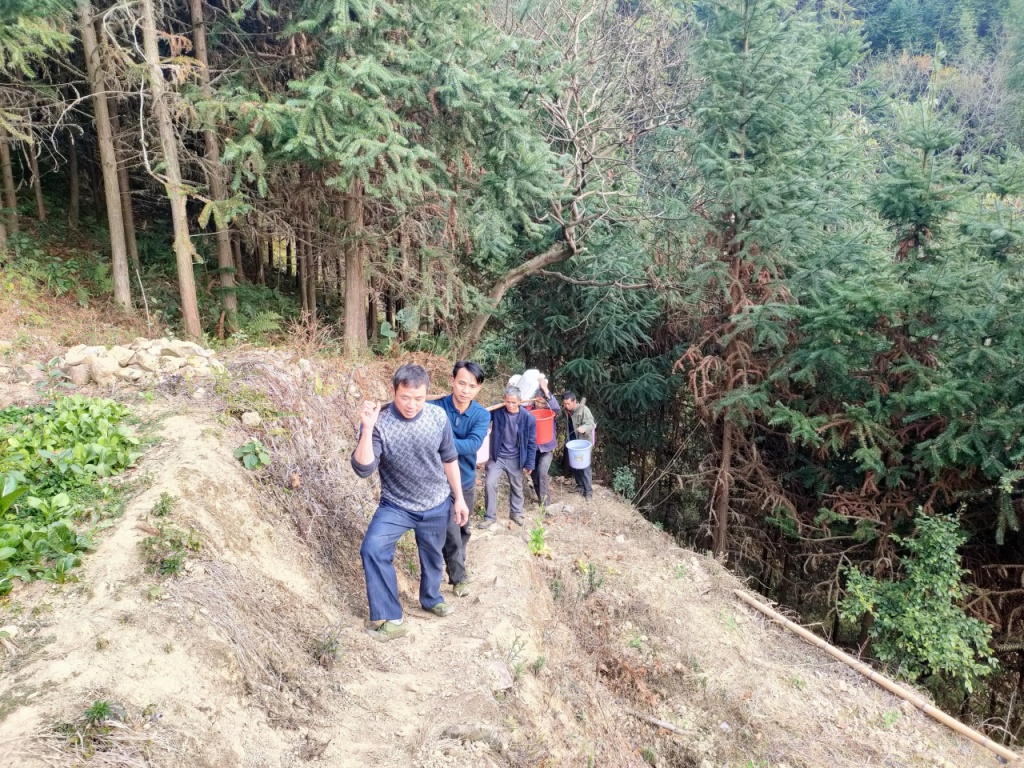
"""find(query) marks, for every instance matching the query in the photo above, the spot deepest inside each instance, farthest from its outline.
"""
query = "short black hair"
(411, 376)
(474, 370)
(568, 395)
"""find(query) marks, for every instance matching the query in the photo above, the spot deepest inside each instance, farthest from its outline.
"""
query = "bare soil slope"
(551, 661)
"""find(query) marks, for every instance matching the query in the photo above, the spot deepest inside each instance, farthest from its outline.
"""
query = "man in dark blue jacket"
(513, 453)
(470, 422)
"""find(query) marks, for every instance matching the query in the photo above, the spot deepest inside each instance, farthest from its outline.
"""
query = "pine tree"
(774, 169)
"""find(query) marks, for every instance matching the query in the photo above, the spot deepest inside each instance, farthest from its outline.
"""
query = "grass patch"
(165, 551)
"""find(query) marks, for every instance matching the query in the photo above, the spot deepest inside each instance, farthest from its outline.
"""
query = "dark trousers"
(584, 480)
(540, 476)
(456, 540)
(378, 553)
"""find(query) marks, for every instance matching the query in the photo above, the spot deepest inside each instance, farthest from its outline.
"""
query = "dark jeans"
(540, 476)
(584, 480)
(378, 552)
(457, 539)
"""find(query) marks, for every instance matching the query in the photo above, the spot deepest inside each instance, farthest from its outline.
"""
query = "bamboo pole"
(882, 680)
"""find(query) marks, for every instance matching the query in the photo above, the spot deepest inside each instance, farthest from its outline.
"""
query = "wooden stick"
(882, 680)
(659, 723)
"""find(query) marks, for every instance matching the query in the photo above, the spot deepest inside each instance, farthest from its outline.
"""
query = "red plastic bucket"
(545, 425)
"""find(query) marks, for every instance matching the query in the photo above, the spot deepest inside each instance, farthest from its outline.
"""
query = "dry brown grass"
(666, 638)
(136, 739)
(311, 439)
(43, 326)
(272, 651)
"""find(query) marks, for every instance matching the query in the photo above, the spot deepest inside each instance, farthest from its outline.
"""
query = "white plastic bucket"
(579, 453)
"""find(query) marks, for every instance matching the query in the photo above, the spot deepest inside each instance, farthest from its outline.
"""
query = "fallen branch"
(885, 682)
(660, 723)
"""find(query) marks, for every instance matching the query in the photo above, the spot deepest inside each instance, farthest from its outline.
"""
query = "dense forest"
(778, 247)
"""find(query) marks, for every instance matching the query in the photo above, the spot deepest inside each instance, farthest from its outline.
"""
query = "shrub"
(918, 623)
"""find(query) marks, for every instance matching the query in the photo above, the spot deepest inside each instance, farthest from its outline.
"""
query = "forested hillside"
(777, 246)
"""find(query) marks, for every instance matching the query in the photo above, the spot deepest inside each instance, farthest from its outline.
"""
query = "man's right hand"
(368, 415)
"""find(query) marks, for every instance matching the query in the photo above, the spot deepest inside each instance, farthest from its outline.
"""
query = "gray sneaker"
(518, 520)
(484, 524)
(461, 589)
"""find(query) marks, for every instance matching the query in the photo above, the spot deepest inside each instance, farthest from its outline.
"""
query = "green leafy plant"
(98, 712)
(327, 648)
(538, 665)
(537, 544)
(918, 622)
(52, 458)
(591, 578)
(624, 481)
(164, 506)
(253, 455)
(890, 717)
(166, 550)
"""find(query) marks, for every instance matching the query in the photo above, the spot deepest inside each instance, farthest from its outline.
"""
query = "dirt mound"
(256, 655)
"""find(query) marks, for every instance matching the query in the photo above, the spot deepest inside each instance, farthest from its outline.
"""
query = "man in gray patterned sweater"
(414, 451)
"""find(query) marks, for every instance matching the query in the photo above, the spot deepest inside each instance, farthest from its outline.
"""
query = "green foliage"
(591, 578)
(327, 649)
(81, 273)
(51, 456)
(96, 713)
(166, 550)
(919, 625)
(253, 455)
(537, 544)
(165, 504)
(624, 481)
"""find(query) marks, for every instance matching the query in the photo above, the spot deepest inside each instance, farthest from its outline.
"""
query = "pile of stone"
(146, 361)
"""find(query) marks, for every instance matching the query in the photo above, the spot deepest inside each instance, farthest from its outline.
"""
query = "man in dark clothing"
(513, 452)
(469, 421)
(413, 448)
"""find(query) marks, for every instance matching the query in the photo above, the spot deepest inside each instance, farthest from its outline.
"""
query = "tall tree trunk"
(37, 183)
(3, 237)
(301, 267)
(261, 274)
(721, 536)
(10, 195)
(354, 336)
(236, 252)
(312, 270)
(215, 174)
(124, 187)
(183, 250)
(108, 159)
(74, 185)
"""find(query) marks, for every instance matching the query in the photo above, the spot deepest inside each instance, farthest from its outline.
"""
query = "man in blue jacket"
(513, 453)
(470, 422)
